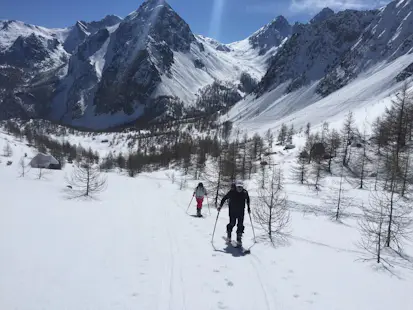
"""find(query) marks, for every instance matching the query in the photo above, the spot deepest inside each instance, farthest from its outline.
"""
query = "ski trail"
(264, 288)
(174, 250)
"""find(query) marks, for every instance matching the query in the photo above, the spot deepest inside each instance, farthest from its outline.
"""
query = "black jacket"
(237, 200)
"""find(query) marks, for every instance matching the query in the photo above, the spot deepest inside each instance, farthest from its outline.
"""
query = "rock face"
(334, 48)
(314, 49)
(271, 35)
(149, 64)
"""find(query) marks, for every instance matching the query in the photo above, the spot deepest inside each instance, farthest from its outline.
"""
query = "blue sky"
(225, 20)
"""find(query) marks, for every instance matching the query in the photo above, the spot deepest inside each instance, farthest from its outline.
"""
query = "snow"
(135, 247)
(10, 30)
(225, 66)
(367, 96)
(98, 59)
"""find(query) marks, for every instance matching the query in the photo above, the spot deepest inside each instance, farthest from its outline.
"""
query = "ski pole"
(209, 209)
(189, 204)
(213, 233)
(252, 226)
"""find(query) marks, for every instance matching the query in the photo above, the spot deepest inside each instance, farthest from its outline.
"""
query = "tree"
(121, 161)
(307, 130)
(300, 169)
(218, 184)
(386, 222)
(86, 180)
(333, 143)
(348, 132)
(22, 165)
(317, 175)
(337, 198)
(270, 139)
(245, 162)
(372, 229)
(282, 135)
(7, 150)
(362, 161)
(272, 212)
(290, 134)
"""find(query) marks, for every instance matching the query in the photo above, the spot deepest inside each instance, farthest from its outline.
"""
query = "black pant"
(233, 217)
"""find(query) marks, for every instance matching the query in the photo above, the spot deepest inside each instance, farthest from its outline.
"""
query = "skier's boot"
(239, 240)
(228, 236)
(198, 213)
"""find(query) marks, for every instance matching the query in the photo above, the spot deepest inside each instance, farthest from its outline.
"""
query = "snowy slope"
(10, 30)
(138, 62)
(339, 62)
(135, 247)
(367, 97)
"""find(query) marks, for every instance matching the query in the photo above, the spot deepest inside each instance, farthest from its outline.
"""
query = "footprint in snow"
(229, 283)
(296, 295)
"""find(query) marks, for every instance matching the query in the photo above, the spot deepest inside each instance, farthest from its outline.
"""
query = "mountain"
(271, 35)
(335, 63)
(116, 70)
(150, 65)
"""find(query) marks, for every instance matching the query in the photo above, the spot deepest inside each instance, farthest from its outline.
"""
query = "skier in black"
(237, 196)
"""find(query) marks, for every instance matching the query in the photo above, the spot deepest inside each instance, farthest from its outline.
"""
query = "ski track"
(136, 247)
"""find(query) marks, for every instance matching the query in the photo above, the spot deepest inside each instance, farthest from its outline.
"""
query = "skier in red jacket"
(199, 194)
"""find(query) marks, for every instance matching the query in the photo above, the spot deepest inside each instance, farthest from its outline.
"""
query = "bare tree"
(272, 212)
(218, 184)
(300, 169)
(337, 198)
(86, 180)
(22, 166)
(270, 139)
(372, 228)
(317, 175)
(7, 150)
(282, 135)
(333, 143)
(348, 134)
(290, 134)
(307, 130)
(362, 159)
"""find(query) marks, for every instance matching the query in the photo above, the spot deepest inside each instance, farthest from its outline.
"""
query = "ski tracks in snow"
(173, 286)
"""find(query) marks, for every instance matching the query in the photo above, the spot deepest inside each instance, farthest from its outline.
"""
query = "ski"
(236, 245)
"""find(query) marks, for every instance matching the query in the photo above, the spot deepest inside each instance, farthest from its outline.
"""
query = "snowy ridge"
(367, 97)
(303, 83)
(10, 30)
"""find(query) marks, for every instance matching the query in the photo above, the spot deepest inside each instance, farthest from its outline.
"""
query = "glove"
(219, 208)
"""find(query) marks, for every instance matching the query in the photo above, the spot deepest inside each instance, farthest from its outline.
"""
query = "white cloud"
(312, 6)
(294, 7)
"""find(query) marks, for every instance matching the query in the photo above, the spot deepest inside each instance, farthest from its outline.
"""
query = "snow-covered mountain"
(110, 72)
(106, 73)
(337, 62)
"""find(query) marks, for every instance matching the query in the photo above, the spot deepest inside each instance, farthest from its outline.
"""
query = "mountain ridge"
(114, 71)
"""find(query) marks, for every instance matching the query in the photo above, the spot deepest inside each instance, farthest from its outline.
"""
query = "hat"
(239, 183)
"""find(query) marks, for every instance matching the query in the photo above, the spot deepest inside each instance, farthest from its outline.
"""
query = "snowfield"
(367, 96)
(134, 247)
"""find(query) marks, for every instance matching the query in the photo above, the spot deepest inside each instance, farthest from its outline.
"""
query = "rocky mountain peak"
(271, 35)
(322, 16)
(282, 25)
